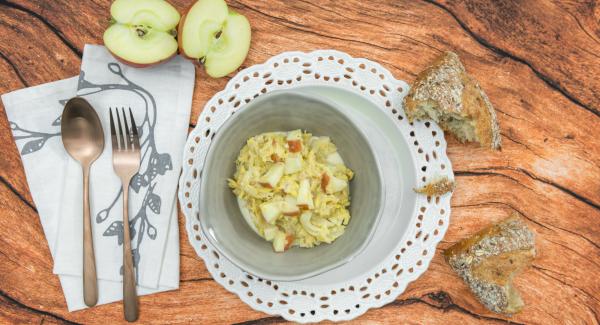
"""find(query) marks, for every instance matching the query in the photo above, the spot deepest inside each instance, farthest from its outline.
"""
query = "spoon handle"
(90, 284)
(130, 300)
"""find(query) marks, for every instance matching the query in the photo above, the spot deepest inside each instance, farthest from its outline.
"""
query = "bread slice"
(489, 260)
(445, 93)
(437, 186)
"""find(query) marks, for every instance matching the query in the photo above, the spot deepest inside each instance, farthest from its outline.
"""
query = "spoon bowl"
(83, 139)
(81, 130)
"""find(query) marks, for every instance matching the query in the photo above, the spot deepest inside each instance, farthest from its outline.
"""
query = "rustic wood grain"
(538, 61)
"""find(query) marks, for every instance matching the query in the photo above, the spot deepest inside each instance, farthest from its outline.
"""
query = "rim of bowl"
(279, 277)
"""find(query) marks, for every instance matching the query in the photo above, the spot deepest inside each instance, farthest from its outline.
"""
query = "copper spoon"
(83, 139)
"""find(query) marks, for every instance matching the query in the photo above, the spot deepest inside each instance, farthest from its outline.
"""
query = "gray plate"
(224, 226)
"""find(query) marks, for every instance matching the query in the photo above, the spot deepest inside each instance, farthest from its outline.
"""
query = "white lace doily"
(299, 301)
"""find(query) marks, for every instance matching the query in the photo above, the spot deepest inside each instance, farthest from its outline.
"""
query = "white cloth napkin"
(160, 98)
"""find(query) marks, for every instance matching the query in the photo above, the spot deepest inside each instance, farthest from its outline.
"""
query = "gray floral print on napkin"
(153, 163)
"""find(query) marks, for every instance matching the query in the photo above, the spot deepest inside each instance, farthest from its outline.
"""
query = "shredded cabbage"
(295, 186)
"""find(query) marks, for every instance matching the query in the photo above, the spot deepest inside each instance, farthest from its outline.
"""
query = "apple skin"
(214, 70)
(324, 181)
(265, 185)
(289, 240)
(295, 145)
(180, 32)
(303, 207)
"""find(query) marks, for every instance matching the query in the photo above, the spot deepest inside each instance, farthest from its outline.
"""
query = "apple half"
(214, 35)
(143, 32)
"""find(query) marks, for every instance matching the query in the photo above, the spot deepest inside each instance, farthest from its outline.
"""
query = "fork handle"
(130, 300)
(90, 283)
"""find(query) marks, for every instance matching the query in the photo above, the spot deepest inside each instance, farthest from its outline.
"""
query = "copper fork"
(126, 163)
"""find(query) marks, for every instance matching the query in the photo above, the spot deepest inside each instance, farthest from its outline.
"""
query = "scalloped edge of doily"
(407, 278)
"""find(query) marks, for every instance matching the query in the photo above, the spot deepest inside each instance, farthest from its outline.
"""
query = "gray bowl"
(221, 220)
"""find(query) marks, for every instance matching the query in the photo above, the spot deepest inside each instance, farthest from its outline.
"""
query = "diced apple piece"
(270, 211)
(318, 142)
(307, 224)
(215, 35)
(334, 159)
(272, 176)
(292, 213)
(336, 184)
(294, 135)
(293, 164)
(294, 140)
(325, 181)
(288, 199)
(294, 145)
(289, 207)
(270, 232)
(279, 242)
(304, 199)
(289, 240)
(143, 32)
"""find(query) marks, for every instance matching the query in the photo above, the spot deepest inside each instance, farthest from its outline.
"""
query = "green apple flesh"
(215, 35)
(143, 33)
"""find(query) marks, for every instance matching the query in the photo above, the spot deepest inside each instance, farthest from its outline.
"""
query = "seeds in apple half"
(214, 35)
(143, 33)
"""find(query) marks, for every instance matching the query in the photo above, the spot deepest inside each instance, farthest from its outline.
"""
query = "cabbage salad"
(294, 187)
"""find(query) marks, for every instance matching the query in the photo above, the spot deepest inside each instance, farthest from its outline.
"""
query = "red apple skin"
(324, 182)
(292, 214)
(139, 65)
(302, 206)
(295, 145)
(289, 240)
(180, 35)
(267, 185)
(180, 39)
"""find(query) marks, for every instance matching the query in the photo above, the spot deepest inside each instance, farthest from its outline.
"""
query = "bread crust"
(436, 187)
(490, 259)
(446, 86)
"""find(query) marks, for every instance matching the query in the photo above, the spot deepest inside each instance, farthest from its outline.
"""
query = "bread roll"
(445, 93)
(489, 260)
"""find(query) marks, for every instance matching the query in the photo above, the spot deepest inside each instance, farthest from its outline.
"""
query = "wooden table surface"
(539, 62)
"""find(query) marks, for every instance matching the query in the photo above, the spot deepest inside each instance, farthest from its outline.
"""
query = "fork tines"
(124, 139)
